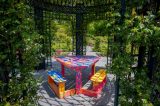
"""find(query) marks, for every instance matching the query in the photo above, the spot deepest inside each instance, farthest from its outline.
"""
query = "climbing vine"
(19, 54)
(137, 78)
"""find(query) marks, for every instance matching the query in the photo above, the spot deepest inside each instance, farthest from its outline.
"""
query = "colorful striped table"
(78, 63)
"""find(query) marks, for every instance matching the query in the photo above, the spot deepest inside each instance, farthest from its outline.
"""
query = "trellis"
(78, 12)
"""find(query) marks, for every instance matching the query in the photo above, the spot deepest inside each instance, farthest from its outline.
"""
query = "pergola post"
(38, 17)
(79, 34)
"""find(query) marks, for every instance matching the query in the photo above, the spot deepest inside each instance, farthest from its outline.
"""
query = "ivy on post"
(120, 40)
(141, 56)
(151, 62)
(18, 54)
(38, 17)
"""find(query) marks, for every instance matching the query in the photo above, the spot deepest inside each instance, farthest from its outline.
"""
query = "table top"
(77, 62)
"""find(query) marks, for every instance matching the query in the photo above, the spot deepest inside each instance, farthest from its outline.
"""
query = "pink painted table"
(78, 63)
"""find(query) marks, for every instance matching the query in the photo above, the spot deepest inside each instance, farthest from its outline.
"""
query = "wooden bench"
(57, 83)
(98, 80)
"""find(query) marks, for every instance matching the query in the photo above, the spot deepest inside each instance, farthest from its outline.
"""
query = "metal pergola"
(78, 12)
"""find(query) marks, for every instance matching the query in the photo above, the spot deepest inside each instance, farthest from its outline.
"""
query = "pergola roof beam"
(70, 9)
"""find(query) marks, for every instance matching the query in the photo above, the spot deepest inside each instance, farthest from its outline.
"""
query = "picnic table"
(78, 64)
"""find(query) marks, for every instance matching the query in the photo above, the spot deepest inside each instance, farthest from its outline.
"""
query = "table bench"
(98, 80)
(57, 83)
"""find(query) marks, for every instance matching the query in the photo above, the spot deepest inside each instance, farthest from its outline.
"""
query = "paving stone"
(67, 104)
(79, 98)
(86, 103)
(53, 102)
(45, 95)
(41, 103)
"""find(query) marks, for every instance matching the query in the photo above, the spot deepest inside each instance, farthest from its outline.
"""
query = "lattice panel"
(75, 2)
(78, 12)
(82, 7)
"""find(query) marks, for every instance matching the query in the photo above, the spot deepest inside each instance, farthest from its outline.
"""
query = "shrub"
(19, 54)
(97, 45)
(100, 45)
(61, 37)
(90, 41)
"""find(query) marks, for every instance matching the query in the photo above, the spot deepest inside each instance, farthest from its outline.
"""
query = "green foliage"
(97, 32)
(97, 28)
(90, 41)
(97, 44)
(19, 54)
(61, 33)
(135, 86)
(103, 49)
(100, 45)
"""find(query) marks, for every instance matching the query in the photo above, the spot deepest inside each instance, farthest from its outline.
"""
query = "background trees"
(61, 33)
